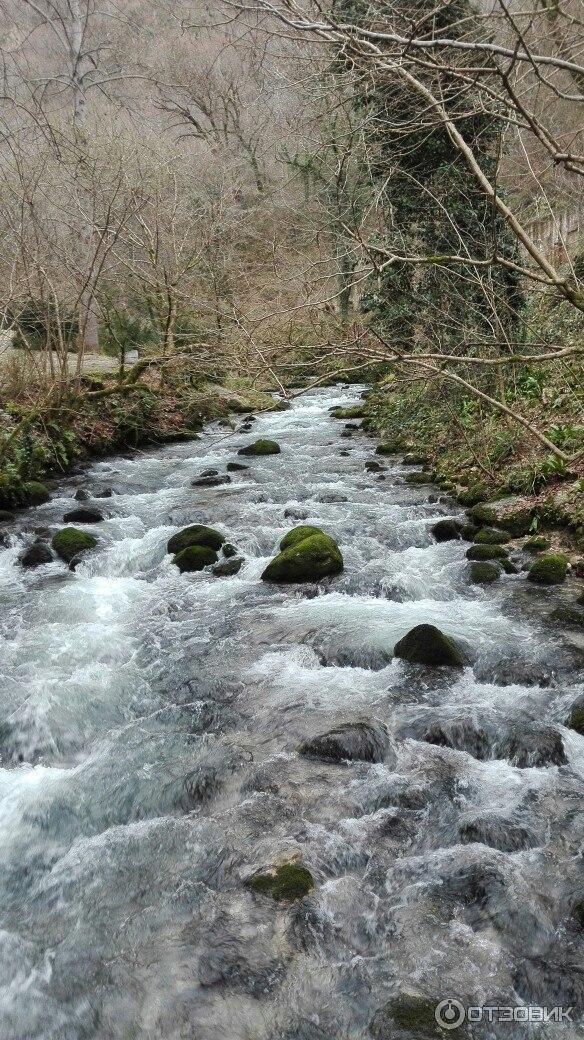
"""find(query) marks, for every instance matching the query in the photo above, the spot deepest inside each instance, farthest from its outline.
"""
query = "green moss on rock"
(415, 459)
(482, 572)
(298, 534)
(486, 552)
(537, 543)
(36, 493)
(198, 534)
(69, 542)
(195, 558)
(309, 559)
(285, 883)
(549, 569)
(482, 515)
(417, 478)
(263, 446)
(355, 411)
(575, 719)
(426, 644)
(408, 1014)
(491, 536)
(390, 447)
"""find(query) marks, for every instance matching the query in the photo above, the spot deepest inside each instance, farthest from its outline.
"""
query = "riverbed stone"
(374, 467)
(355, 411)
(235, 467)
(307, 558)
(389, 447)
(498, 832)
(36, 554)
(515, 515)
(536, 544)
(417, 477)
(197, 534)
(533, 745)
(483, 572)
(263, 446)
(426, 644)
(486, 552)
(549, 569)
(447, 530)
(211, 480)
(491, 536)
(363, 741)
(106, 492)
(415, 459)
(36, 493)
(70, 542)
(575, 719)
(83, 516)
(194, 558)
(409, 1015)
(226, 568)
(284, 883)
(82, 495)
(229, 550)
(462, 734)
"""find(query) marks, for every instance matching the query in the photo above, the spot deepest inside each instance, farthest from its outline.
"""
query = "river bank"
(153, 762)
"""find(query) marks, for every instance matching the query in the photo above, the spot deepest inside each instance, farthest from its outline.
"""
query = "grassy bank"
(44, 433)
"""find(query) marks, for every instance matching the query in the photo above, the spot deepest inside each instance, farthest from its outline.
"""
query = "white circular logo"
(449, 1014)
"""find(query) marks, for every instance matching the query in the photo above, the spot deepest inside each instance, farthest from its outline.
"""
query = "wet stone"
(533, 746)
(362, 741)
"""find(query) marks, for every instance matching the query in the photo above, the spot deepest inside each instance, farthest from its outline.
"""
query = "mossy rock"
(575, 719)
(578, 913)
(309, 559)
(194, 558)
(411, 1015)
(486, 552)
(298, 534)
(472, 496)
(483, 573)
(284, 883)
(446, 530)
(468, 532)
(537, 543)
(491, 536)
(415, 459)
(568, 616)
(198, 534)
(549, 569)
(518, 521)
(70, 542)
(389, 447)
(482, 515)
(355, 411)
(508, 566)
(426, 644)
(263, 446)
(36, 493)
(417, 478)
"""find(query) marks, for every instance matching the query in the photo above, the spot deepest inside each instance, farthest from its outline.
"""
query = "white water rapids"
(148, 732)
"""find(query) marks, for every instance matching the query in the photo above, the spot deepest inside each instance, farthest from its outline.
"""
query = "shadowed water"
(148, 732)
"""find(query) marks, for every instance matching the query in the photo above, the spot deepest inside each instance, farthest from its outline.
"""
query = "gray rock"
(462, 734)
(211, 481)
(83, 516)
(534, 745)
(361, 741)
(227, 567)
(81, 495)
(35, 555)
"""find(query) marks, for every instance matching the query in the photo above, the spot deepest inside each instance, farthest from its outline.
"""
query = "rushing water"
(149, 731)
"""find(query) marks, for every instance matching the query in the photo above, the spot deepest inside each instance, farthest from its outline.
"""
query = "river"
(149, 732)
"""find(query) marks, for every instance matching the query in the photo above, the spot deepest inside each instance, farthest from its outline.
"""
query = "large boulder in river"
(447, 530)
(194, 558)
(83, 516)
(197, 534)
(304, 557)
(69, 542)
(515, 515)
(533, 745)
(549, 569)
(484, 572)
(426, 644)
(263, 446)
(361, 741)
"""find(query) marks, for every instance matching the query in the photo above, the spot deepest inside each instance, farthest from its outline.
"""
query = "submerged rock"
(285, 883)
(374, 467)
(69, 542)
(83, 516)
(263, 446)
(549, 569)
(225, 568)
(483, 573)
(486, 552)
(105, 493)
(304, 558)
(295, 514)
(417, 478)
(408, 1016)
(447, 530)
(235, 467)
(194, 558)
(461, 734)
(362, 741)
(497, 832)
(211, 481)
(229, 550)
(36, 554)
(197, 534)
(533, 746)
(575, 719)
(81, 495)
(332, 496)
(426, 644)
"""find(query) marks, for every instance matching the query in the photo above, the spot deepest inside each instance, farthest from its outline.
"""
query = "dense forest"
(204, 200)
